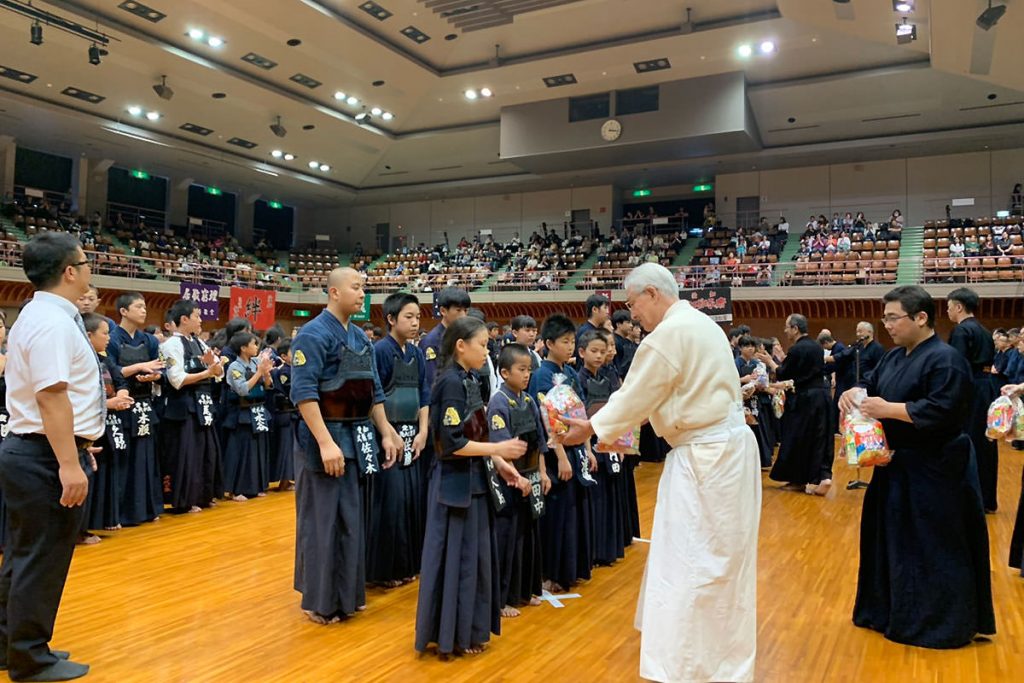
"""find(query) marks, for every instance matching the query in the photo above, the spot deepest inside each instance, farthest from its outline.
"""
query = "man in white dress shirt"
(698, 600)
(56, 402)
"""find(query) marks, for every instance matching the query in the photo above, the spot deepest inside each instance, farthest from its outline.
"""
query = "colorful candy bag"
(1001, 418)
(628, 443)
(761, 375)
(1017, 433)
(561, 401)
(779, 403)
(864, 438)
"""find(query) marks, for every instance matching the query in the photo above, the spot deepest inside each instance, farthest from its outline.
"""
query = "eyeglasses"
(630, 302)
(889, 319)
(84, 262)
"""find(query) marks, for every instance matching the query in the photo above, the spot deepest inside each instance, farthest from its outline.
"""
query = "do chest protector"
(132, 355)
(402, 395)
(348, 396)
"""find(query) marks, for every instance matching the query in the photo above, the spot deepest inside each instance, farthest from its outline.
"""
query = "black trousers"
(41, 540)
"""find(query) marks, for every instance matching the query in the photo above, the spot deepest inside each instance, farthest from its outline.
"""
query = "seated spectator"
(987, 247)
(764, 275)
(860, 221)
(737, 280)
(783, 225)
(896, 220)
(812, 223)
(971, 246)
(843, 244)
(837, 222)
(956, 248)
(741, 248)
(848, 221)
(869, 231)
(1017, 201)
(1002, 245)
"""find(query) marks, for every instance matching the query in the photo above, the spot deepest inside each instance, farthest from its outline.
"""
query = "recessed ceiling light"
(767, 47)
(289, 157)
(215, 41)
(314, 164)
(219, 95)
(308, 126)
(387, 116)
(376, 111)
(152, 115)
(377, 84)
(470, 94)
(451, 36)
(325, 168)
(294, 42)
(744, 51)
(352, 100)
(195, 34)
(339, 95)
(486, 92)
(277, 154)
(135, 111)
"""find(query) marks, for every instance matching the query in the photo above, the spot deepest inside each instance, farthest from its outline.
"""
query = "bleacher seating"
(973, 250)
(312, 266)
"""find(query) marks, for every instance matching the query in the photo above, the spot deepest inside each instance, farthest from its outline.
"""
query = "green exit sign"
(141, 175)
(703, 188)
(215, 191)
(641, 193)
(275, 205)
(301, 312)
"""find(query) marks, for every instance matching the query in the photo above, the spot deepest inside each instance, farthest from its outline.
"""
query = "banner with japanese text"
(255, 304)
(205, 297)
(716, 302)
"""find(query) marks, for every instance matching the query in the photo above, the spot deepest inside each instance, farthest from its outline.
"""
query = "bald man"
(339, 396)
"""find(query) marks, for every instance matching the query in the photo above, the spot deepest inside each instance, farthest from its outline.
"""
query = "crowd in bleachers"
(847, 250)
(973, 249)
(627, 249)
(737, 256)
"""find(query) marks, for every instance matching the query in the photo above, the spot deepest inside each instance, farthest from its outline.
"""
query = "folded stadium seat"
(942, 232)
(867, 245)
(930, 243)
(984, 221)
(984, 231)
(942, 223)
(942, 242)
(929, 224)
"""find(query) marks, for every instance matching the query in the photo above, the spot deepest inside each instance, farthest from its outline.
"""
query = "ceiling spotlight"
(362, 116)
(767, 47)
(744, 51)
(470, 94)
(152, 115)
(314, 165)
(277, 154)
(163, 90)
(387, 116)
(36, 34)
(325, 168)
(990, 17)
(277, 129)
(352, 100)
(338, 95)
(135, 110)
(195, 34)
(289, 157)
(376, 111)
(94, 55)
(903, 6)
(485, 92)
(215, 41)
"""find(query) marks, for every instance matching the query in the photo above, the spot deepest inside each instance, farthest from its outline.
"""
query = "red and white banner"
(255, 304)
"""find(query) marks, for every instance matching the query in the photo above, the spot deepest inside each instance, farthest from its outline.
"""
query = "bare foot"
(194, 509)
(89, 539)
(473, 649)
(213, 503)
(552, 587)
(535, 601)
(239, 498)
(361, 608)
(261, 494)
(320, 618)
(408, 579)
(509, 611)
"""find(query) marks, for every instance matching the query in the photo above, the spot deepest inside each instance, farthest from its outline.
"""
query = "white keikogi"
(698, 600)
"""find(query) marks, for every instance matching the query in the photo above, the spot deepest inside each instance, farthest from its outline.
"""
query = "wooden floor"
(208, 597)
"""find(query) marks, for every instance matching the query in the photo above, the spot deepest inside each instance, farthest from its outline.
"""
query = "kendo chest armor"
(349, 394)
(522, 424)
(256, 395)
(598, 392)
(402, 395)
(131, 355)
(474, 424)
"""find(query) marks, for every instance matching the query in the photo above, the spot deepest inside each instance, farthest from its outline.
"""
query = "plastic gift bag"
(779, 403)
(1017, 433)
(1000, 420)
(628, 444)
(561, 401)
(864, 438)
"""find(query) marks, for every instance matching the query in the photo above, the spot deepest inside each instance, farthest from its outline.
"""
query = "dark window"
(219, 209)
(636, 100)
(41, 171)
(149, 193)
(273, 224)
(589, 107)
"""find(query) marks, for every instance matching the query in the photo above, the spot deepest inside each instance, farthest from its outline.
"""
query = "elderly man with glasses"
(697, 605)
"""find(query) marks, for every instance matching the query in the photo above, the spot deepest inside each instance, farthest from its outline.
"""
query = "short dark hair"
(590, 336)
(914, 299)
(798, 321)
(236, 325)
(394, 304)
(92, 322)
(46, 255)
(523, 322)
(491, 325)
(453, 297)
(151, 329)
(182, 308)
(825, 338)
(556, 325)
(966, 297)
(274, 334)
(745, 341)
(621, 316)
(240, 339)
(368, 327)
(127, 299)
(284, 347)
(464, 328)
(596, 301)
(512, 354)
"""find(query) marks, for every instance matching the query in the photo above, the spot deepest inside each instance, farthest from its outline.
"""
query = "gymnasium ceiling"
(852, 92)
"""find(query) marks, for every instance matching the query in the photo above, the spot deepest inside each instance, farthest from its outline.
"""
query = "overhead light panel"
(15, 75)
(288, 156)
(340, 96)
(767, 47)
(415, 35)
(745, 51)
(277, 129)
(84, 95)
(195, 34)
(486, 92)
(905, 32)
(163, 90)
(36, 33)
(135, 110)
(324, 168)
(352, 100)
(214, 41)
(314, 164)
(140, 10)
(196, 129)
(376, 111)
(153, 115)
(375, 10)
(903, 6)
(259, 60)
(991, 16)
(277, 154)
(471, 94)
(242, 142)
(652, 65)
(362, 116)
(387, 116)
(303, 79)
(556, 81)
(201, 36)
